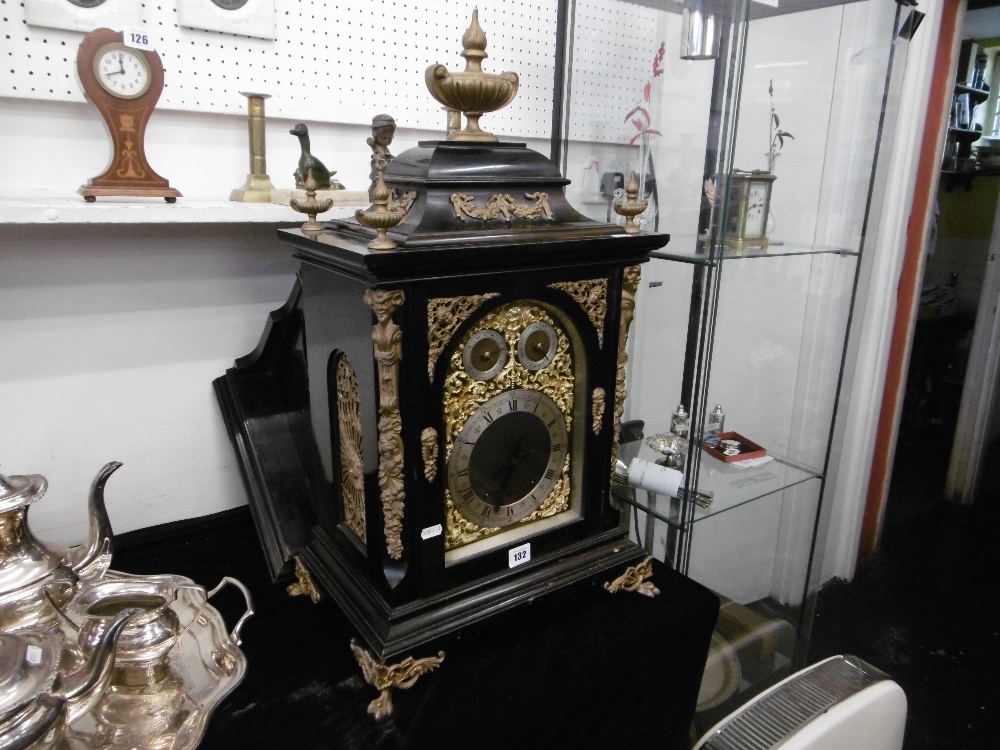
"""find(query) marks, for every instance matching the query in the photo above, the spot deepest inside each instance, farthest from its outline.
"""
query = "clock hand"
(507, 467)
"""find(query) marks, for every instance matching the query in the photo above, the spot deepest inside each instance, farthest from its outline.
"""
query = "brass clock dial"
(485, 354)
(122, 72)
(506, 466)
(537, 346)
(508, 458)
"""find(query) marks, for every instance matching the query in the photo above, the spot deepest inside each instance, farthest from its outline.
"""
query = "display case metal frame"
(706, 260)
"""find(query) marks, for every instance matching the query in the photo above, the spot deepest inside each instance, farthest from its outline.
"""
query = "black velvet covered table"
(577, 668)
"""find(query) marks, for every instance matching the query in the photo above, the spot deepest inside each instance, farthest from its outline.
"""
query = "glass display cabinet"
(762, 156)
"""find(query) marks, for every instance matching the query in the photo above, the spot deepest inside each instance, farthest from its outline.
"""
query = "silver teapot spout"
(92, 559)
(83, 688)
(27, 564)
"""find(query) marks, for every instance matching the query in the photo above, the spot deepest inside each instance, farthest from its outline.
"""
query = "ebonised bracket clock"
(431, 429)
(123, 83)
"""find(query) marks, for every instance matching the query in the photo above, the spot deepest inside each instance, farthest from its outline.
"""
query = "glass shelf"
(688, 249)
(765, 340)
(732, 487)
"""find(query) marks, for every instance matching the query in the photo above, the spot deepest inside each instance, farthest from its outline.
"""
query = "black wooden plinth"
(578, 668)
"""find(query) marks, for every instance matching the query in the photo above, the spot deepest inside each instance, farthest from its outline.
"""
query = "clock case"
(280, 403)
(128, 172)
(740, 184)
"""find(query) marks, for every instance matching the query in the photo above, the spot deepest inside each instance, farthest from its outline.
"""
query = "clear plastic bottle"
(680, 421)
(717, 420)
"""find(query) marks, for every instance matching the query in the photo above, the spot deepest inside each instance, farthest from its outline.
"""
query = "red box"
(748, 448)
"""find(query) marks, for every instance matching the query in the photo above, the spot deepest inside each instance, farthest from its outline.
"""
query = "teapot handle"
(234, 634)
(47, 591)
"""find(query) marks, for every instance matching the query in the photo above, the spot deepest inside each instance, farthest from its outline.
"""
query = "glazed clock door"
(510, 392)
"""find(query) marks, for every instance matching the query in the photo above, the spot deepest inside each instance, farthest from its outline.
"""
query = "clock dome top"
(470, 189)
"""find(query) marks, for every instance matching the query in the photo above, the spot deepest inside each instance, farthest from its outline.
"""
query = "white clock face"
(122, 72)
(753, 224)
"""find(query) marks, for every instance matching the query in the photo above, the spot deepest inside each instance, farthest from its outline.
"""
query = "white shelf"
(64, 209)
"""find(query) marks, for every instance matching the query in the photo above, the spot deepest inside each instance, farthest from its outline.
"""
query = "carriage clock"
(749, 206)
(429, 423)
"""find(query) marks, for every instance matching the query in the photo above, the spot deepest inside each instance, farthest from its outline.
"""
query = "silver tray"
(171, 711)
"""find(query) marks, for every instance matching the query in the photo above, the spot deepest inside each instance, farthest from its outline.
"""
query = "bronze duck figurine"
(310, 165)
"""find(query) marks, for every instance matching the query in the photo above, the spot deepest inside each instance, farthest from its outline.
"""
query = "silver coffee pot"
(27, 565)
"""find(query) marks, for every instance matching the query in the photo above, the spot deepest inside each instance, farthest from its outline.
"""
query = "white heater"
(841, 702)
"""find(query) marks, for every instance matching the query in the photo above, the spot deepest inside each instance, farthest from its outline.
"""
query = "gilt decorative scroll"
(444, 316)
(598, 409)
(592, 296)
(635, 578)
(387, 339)
(388, 677)
(403, 202)
(303, 585)
(429, 447)
(352, 483)
(502, 205)
(630, 284)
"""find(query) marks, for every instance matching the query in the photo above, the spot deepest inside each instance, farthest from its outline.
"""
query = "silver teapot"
(27, 565)
(37, 700)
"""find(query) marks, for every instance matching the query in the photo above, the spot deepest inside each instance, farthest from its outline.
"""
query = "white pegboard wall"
(332, 61)
(614, 43)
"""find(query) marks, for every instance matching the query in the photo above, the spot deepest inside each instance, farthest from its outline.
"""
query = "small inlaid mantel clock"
(124, 84)
(431, 427)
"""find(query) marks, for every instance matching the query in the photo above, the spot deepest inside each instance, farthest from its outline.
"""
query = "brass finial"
(472, 92)
(632, 207)
(384, 216)
(311, 206)
(474, 42)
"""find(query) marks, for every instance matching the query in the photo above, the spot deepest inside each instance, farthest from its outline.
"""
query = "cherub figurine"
(383, 129)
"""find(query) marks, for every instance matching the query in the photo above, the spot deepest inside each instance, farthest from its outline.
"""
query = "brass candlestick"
(383, 217)
(310, 206)
(472, 92)
(258, 187)
(631, 207)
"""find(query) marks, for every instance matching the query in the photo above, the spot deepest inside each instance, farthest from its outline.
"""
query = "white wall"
(111, 337)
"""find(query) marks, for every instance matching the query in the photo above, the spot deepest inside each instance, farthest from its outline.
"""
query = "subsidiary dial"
(508, 458)
(485, 354)
(537, 346)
